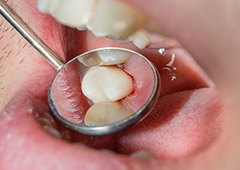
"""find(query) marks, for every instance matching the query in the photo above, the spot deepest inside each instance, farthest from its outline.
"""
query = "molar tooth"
(82, 27)
(105, 57)
(140, 39)
(47, 6)
(113, 57)
(106, 113)
(109, 18)
(106, 84)
(90, 60)
(113, 18)
(116, 83)
(91, 85)
(74, 13)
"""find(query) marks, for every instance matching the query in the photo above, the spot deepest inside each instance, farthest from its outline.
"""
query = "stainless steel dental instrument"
(35, 41)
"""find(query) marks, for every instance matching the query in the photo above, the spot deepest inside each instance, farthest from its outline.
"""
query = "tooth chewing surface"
(105, 57)
(113, 57)
(106, 113)
(102, 84)
(90, 60)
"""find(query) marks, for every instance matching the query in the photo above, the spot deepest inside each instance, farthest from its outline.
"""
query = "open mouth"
(184, 121)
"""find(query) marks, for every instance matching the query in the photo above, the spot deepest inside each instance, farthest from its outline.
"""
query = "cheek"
(13, 50)
(21, 67)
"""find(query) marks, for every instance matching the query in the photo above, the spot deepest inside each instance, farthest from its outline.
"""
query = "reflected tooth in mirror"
(102, 84)
(74, 13)
(116, 83)
(113, 57)
(91, 86)
(106, 113)
(140, 39)
(90, 60)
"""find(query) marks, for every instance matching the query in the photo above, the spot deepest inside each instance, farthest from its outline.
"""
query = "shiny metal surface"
(118, 126)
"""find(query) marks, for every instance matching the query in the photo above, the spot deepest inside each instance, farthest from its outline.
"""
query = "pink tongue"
(180, 124)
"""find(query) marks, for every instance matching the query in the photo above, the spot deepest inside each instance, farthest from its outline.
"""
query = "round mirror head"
(104, 91)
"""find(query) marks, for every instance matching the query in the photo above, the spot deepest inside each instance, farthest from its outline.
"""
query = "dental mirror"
(99, 92)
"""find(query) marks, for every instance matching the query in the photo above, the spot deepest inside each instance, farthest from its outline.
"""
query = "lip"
(27, 133)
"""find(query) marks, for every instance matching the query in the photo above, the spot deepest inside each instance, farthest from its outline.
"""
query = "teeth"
(140, 39)
(106, 113)
(108, 18)
(74, 13)
(106, 84)
(116, 83)
(113, 57)
(90, 60)
(113, 18)
(47, 6)
(105, 57)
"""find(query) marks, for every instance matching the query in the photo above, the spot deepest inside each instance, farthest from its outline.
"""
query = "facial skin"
(207, 29)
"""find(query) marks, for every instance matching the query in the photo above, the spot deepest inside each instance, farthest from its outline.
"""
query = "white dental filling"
(109, 18)
(104, 85)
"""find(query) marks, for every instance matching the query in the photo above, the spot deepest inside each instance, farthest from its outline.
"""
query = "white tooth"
(106, 113)
(91, 86)
(106, 84)
(43, 5)
(90, 60)
(113, 57)
(82, 27)
(74, 13)
(105, 57)
(116, 83)
(113, 18)
(47, 6)
(140, 39)
(103, 17)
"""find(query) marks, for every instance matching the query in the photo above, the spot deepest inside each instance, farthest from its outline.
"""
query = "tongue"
(180, 124)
